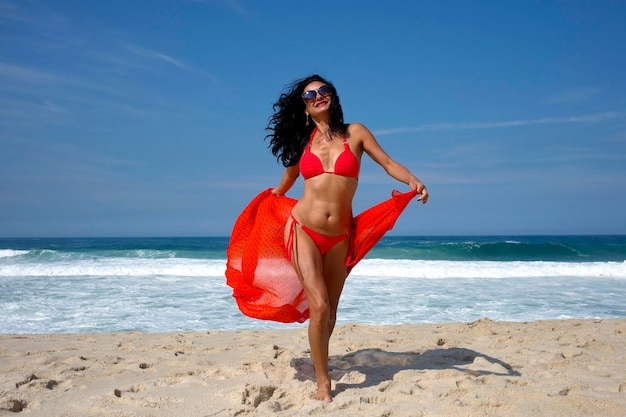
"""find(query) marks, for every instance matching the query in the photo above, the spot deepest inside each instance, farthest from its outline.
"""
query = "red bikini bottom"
(324, 243)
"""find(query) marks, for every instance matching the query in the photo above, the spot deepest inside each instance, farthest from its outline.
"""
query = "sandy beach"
(484, 368)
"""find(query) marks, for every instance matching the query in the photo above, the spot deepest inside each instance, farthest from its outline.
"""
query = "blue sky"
(147, 117)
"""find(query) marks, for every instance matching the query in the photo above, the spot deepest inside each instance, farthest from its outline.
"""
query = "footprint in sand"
(17, 406)
(26, 380)
(33, 381)
(255, 395)
(277, 351)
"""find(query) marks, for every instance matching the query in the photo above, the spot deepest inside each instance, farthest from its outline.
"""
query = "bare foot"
(323, 392)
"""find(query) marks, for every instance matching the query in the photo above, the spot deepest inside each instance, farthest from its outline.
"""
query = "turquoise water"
(178, 284)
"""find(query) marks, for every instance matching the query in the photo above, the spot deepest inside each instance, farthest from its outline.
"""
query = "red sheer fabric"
(264, 283)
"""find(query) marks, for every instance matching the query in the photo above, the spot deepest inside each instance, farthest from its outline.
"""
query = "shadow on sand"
(378, 365)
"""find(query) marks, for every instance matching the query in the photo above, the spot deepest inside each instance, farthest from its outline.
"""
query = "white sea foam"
(175, 294)
(168, 303)
(116, 267)
(7, 253)
(486, 269)
(368, 267)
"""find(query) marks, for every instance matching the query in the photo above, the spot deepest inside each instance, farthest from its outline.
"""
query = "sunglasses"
(311, 95)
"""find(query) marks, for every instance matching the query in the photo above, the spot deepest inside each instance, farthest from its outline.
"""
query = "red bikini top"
(346, 165)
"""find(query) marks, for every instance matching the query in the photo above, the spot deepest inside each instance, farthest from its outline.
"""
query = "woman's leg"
(335, 273)
(334, 276)
(307, 262)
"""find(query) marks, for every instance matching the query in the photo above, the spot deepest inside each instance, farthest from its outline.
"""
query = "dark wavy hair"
(289, 131)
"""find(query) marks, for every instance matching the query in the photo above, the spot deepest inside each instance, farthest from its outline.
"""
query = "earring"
(307, 119)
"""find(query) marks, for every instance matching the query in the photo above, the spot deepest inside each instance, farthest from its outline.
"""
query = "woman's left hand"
(417, 185)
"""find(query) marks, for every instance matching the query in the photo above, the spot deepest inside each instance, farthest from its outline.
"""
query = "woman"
(308, 136)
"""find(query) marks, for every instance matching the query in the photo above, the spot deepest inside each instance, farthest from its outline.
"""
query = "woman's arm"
(288, 179)
(393, 168)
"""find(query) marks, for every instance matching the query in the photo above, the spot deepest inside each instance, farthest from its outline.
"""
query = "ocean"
(79, 285)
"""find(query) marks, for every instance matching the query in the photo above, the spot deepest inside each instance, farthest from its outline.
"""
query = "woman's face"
(317, 97)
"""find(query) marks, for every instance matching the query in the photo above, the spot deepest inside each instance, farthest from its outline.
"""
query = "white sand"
(546, 368)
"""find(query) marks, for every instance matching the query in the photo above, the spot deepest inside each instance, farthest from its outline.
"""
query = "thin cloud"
(22, 73)
(235, 6)
(572, 96)
(86, 49)
(150, 54)
(581, 154)
(20, 113)
(590, 118)
(11, 12)
(184, 66)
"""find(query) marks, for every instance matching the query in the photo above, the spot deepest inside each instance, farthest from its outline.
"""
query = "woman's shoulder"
(357, 130)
